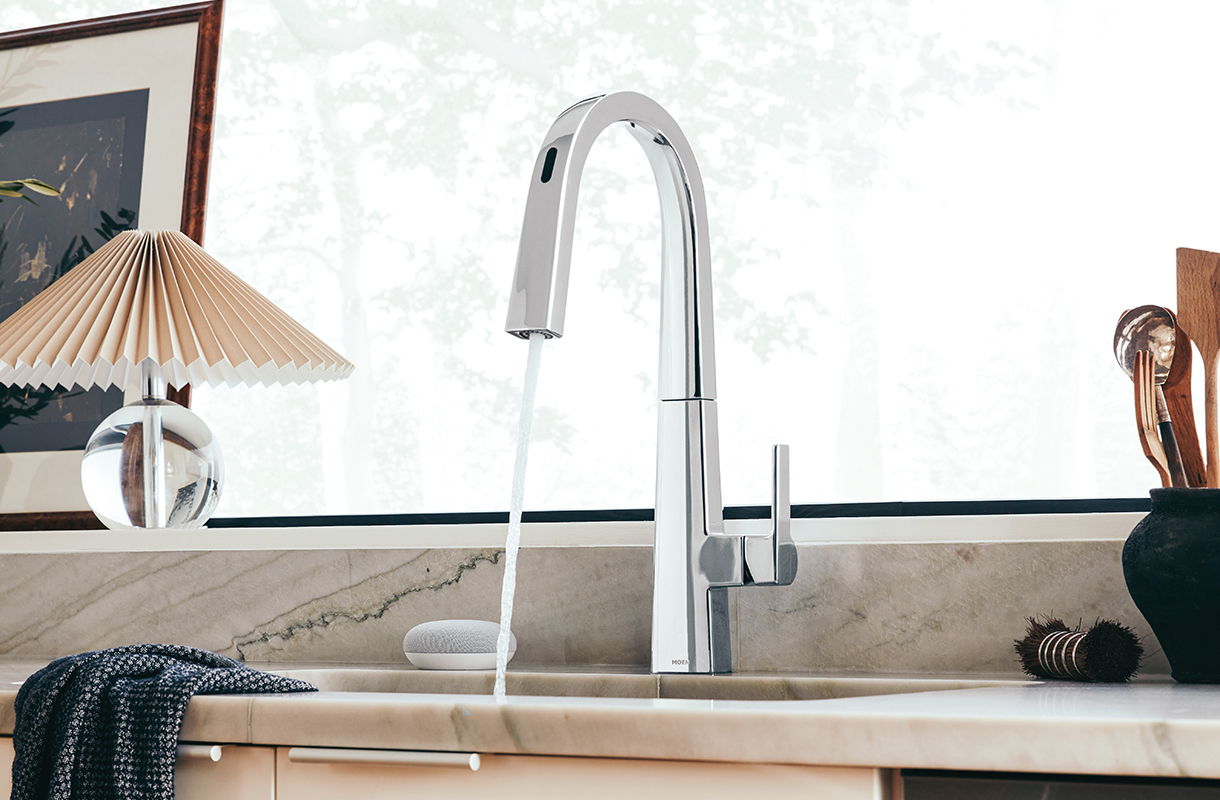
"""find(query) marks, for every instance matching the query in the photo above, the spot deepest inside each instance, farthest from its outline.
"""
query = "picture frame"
(137, 89)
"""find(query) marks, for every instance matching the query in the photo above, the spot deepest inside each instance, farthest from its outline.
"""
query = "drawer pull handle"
(344, 755)
(208, 751)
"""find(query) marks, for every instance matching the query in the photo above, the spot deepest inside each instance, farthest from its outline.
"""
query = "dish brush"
(1106, 653)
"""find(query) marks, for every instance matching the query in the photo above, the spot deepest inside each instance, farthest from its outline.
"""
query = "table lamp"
(150, 309)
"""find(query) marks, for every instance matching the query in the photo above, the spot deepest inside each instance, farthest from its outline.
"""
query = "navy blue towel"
(102, 725)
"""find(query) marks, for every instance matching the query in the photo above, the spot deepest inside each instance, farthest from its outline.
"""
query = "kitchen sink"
(611, 682)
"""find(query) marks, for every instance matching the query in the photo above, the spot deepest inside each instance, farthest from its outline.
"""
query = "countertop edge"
(1068, 729)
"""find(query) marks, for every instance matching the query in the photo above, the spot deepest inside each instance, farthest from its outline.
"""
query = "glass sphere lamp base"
(152, 464)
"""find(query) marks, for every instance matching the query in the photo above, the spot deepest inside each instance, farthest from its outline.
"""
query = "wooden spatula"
(1199, 317)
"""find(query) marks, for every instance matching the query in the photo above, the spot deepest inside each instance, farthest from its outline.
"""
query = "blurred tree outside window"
(926, 217)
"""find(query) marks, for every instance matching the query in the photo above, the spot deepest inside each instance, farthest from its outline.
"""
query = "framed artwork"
(115, 113)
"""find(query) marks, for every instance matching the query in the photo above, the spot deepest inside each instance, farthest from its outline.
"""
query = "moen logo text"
(679, 662)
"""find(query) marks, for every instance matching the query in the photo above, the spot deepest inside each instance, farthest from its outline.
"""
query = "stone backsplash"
(855, 607)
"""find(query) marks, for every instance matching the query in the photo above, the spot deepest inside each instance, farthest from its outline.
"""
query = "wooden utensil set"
(1198, 321)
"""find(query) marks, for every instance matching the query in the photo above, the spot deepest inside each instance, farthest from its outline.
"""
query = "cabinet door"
(537, 777)
(242, 773)
(6, 766)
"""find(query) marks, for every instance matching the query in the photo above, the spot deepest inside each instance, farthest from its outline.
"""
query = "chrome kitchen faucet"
(694, 560)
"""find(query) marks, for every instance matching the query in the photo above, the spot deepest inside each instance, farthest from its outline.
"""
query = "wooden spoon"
(1153, 328)
(1199, 316)
(1182, 410)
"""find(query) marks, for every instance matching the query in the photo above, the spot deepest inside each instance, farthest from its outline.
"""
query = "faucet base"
(721, 636)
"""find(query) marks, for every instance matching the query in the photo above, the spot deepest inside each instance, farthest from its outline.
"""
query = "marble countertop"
(1147, 728)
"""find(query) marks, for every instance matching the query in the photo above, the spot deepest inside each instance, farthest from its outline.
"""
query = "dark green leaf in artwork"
(18, 403)
(7, 193)
(111, 227)
(6, 125)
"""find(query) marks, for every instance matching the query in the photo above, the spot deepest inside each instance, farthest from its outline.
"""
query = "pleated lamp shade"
(151, 308)
(156, 295)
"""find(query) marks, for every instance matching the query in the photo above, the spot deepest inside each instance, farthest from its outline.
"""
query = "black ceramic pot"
(1172, 565)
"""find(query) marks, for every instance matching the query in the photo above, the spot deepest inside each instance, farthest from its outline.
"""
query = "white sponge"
(455, 644)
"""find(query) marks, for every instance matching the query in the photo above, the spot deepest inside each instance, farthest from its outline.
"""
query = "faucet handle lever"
(771, 559)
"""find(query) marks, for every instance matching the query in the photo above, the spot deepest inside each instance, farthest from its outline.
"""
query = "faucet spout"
(540, 288)
(694, 560)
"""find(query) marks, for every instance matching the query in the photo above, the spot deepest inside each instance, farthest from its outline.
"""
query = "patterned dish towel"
(103, 725)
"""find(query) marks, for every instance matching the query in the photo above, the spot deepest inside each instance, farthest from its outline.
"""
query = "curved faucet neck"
(540, 286)
(694, 561)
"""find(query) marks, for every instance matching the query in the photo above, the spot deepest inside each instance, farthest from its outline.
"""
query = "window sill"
(1003, 521)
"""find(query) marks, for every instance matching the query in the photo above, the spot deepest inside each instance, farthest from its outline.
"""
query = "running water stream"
(533, 365)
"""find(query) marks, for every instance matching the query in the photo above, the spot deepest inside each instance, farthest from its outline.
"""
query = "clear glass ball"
(181, 493)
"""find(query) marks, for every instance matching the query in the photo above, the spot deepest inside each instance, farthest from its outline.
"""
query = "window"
(926, 218)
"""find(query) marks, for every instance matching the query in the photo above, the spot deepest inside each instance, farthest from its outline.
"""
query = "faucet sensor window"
(548, 166)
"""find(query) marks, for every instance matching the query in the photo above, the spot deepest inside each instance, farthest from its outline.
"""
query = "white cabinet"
(536, 777)
(6, 766)
(266, 773)
(242, 773)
